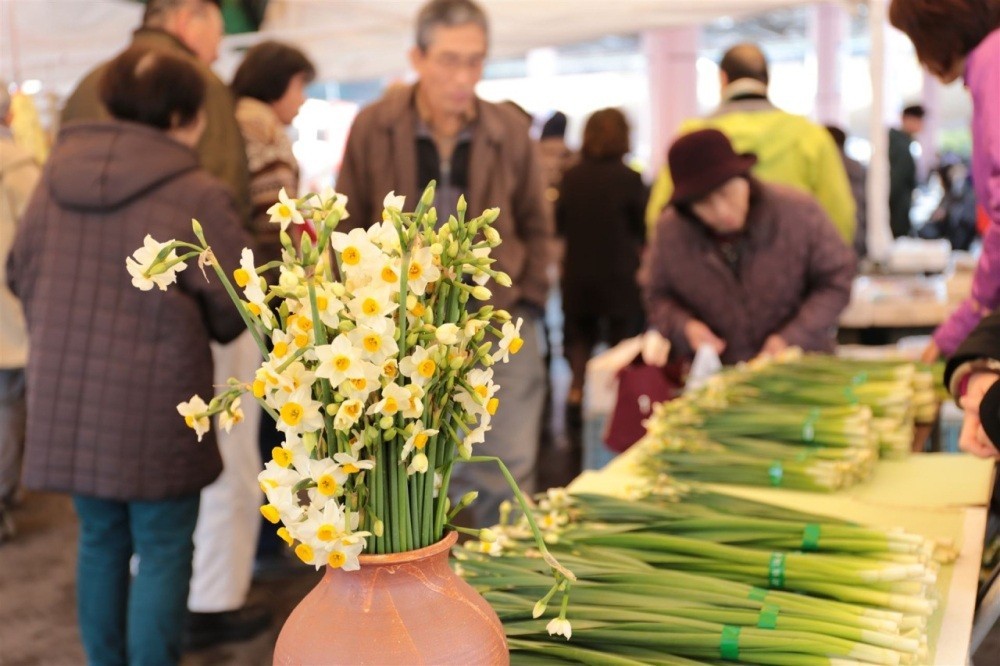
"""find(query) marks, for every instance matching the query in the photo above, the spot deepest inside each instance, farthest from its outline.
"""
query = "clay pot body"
(406, 608)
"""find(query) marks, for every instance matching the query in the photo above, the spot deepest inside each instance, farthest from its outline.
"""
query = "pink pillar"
(830, 32)
(671, 65)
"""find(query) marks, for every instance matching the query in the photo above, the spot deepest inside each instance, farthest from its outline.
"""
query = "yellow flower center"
(351, 256)
(189, 421)
(420, 441)
(372, 343)
(342, 363)
(241, 276)
(301, 340)
(326, 533)
(304, 324)
(415, 271)
(389, 369)
(515, 345)
(492, 405)
(337, 559)
(305, 553)
(370, 307)
(327, 485)
(389, 275)
(281, 456)
(391, 406)
(351, 468)
(280, 349)
(426, 368)
(270, 512)
(284, 211)
(285, 535)
(481, 391)
(418, 310)
(291, 413)
(258, 388)
(268, 483)
(322, 302)
(254, 309)
(354, 409)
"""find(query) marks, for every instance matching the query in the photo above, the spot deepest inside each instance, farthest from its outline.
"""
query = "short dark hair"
(605, 135)
(839, 136)
(152, 87)
(944, 32)
(156, 10)
(448, 13)
(268, 68)
(745, 61)
(915, 111)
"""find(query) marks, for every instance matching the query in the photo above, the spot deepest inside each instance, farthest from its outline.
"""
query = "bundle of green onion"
(694, 577)
(808, 422)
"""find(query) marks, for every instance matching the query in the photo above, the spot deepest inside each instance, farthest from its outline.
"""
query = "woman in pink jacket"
(956, 38)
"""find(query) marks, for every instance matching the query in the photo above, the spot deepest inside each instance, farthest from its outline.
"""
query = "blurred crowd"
(745, 243)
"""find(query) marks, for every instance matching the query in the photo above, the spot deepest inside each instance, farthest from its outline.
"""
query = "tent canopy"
(57, 41)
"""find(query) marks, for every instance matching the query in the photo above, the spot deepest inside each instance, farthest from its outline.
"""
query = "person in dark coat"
(109, 364)
(599, 213)
(903, 169)
(744, 267)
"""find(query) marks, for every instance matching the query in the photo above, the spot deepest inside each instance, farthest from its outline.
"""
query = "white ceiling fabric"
(57, 41)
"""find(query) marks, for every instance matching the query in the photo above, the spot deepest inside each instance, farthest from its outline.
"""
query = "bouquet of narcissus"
(377, 354)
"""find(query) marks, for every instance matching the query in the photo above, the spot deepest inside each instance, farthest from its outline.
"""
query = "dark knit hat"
(702, 161)
(555, 126)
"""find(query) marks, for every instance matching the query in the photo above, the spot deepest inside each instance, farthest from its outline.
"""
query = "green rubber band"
(859, 378)
(775, 472)
(768, 617)
(851, 396)
(810, 537)
(757, 593)
(776, 571)
(729, 643)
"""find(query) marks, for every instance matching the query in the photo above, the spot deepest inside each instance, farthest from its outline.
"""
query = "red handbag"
(641, 386)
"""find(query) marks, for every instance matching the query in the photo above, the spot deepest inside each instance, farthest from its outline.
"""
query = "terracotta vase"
(407, 608)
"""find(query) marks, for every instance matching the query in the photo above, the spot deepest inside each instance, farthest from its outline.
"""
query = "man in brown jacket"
(191, 29)
(439, 130)
(742, 266)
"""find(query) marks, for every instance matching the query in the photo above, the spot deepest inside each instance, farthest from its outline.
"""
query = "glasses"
(452, 62)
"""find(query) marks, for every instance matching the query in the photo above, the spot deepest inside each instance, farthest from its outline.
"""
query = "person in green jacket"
(790, 149)
(193, 30)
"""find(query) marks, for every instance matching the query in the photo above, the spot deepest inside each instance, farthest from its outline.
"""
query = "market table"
(938, 495)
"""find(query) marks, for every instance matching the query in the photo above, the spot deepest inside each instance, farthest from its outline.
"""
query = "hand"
(655, 348)
(930, 353)
(699, 334)
(774, 345)
(973, 438)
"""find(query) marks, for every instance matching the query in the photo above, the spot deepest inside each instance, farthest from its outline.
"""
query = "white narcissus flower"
(344, 553)
(329, 306)
(421, 270)
(414, 407)
(394, 399)
(335, 201)
(340, 360)
(355, 248)
(298, 412)
(418, 465)
(480, 277)
(329, 478)
(417, 439)
(285, 211)
(350, 463)
(511, 341)
(420, 366)
(483, 390)
(385, 235)
(231, 416)
(393, 201)
(348, 414)
(282, 505)
(359, 388)
(475, 436)
(560, 626)
(376, 340)
(447, 334)
(143, 261)
(195, 415)
(371, 303)
(387, 275)
(247, 270)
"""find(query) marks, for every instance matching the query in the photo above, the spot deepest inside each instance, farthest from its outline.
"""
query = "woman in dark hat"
(742, 266)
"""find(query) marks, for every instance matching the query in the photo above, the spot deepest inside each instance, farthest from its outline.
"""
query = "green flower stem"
(267, 408)
(393, 518)
(528, 514)
(319, 335)
(406, 527)
(427, 505)
(416, 509)
(442, 503)
(374, 509)
(244, 313)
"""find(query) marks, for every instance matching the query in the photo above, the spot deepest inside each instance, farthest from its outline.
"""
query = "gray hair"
(4, 100)
(158, 10)
(447, 13)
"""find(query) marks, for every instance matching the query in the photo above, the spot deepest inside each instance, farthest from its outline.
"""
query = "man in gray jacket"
(439, 130)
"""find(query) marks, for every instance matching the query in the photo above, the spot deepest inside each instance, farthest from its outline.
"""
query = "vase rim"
(436, 548)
